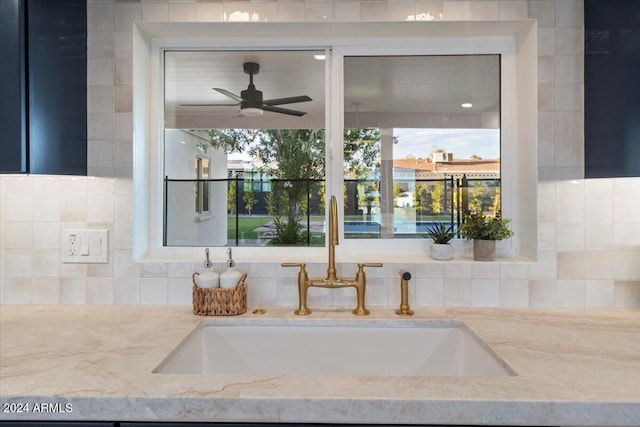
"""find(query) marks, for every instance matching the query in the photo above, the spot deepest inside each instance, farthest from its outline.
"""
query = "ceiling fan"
(251, 102)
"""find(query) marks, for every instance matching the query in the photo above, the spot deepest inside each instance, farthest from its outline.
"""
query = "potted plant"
(441, 249)
(485, 230)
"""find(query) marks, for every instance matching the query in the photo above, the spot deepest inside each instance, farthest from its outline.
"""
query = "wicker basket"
(220, 301)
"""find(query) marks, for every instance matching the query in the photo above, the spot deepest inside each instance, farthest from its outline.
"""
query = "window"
(346, 125)
(431, 128)
(202, 185)
(262, 112)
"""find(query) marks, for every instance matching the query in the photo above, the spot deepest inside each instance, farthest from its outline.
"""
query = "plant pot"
(484, 250)
(441, 251)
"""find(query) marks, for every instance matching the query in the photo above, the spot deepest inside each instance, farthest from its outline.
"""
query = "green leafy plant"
(483, 227)
(440, 233)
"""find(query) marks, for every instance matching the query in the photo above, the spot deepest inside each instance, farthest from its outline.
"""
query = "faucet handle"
(293, 264)
(370, 264)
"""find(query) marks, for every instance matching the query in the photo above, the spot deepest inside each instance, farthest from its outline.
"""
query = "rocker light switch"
(85, 246)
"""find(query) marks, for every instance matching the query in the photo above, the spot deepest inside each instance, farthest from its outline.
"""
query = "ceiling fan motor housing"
(251, 97)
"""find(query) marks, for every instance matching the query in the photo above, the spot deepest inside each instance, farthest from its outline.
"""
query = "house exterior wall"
(589, 229)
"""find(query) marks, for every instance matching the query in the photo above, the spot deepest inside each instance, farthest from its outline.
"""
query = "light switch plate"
(85, 246)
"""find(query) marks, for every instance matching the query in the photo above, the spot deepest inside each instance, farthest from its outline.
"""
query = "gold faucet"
(332, 281)
(405, 309)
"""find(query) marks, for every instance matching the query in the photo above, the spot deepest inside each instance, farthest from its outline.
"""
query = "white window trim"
(514, 41)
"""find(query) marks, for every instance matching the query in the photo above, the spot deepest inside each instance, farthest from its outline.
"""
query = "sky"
(463, 143)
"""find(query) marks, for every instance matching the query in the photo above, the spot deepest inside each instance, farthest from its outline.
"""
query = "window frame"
(348, 40)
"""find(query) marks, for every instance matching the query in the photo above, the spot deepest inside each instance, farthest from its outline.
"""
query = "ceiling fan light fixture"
(251, 112)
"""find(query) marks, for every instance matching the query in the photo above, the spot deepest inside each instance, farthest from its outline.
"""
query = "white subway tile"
(485, 10)
(125, 14)
(456, 10)
(153, 291)
(209, 12)
(262, 292)
(123, 44)
(514, 292)
(457, 292)
(599, 293)
(100, 17)
(17, 290)
(373, 11)
(626, 294)
(17, 234)
(99, 291)
(430, 292)
(100, 71)
(73, 290)
(179, 291)
(318, 11)
(457, 270)
(429, 10)
(598, 236)
(155, 12)
(182, 12)
(126, 291)
(571, 293)
(513, 10)
(570, 237)
(569, 13)
(46, 290)
(399, 10)
(598, 208)
(100, 44)
(18, 262)
(543, 293)
(294, 11)
(485, 292)
(543, 11)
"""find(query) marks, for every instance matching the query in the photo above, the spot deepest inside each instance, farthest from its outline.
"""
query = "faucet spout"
(333, 240)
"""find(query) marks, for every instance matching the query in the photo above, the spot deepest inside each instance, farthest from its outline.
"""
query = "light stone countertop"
(575, 368)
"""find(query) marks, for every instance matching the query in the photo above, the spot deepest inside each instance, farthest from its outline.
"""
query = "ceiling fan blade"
(209, 105)
(229, 94)
(283, 110)
(290, 100)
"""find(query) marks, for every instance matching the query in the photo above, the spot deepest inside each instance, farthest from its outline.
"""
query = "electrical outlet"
(72, 245)
(85, 246)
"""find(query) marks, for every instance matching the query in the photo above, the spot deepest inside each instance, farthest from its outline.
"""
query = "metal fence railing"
(247, 211)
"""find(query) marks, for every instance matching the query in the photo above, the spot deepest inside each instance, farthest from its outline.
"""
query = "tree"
(291, 157)
(231, 198)
(436, 197)
(249, 198)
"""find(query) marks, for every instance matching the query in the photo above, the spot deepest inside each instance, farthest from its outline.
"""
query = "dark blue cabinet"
(612, 88)
(44, 87)
(13, 142)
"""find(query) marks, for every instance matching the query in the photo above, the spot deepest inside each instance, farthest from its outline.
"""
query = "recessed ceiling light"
(321, 57)
(467, 105)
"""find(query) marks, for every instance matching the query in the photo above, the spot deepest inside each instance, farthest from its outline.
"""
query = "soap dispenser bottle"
(208, 278)
(230, 277)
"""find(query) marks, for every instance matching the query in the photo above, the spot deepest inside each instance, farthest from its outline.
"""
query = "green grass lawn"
(248, 224)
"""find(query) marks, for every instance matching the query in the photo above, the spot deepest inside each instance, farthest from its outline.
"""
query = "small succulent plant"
(440, 233)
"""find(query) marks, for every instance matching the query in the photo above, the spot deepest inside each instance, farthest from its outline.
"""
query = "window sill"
(204, 217)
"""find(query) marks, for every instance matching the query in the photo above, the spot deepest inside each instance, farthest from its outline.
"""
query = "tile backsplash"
(589, 230)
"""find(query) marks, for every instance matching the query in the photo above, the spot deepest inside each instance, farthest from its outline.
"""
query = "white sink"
(338, 347)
